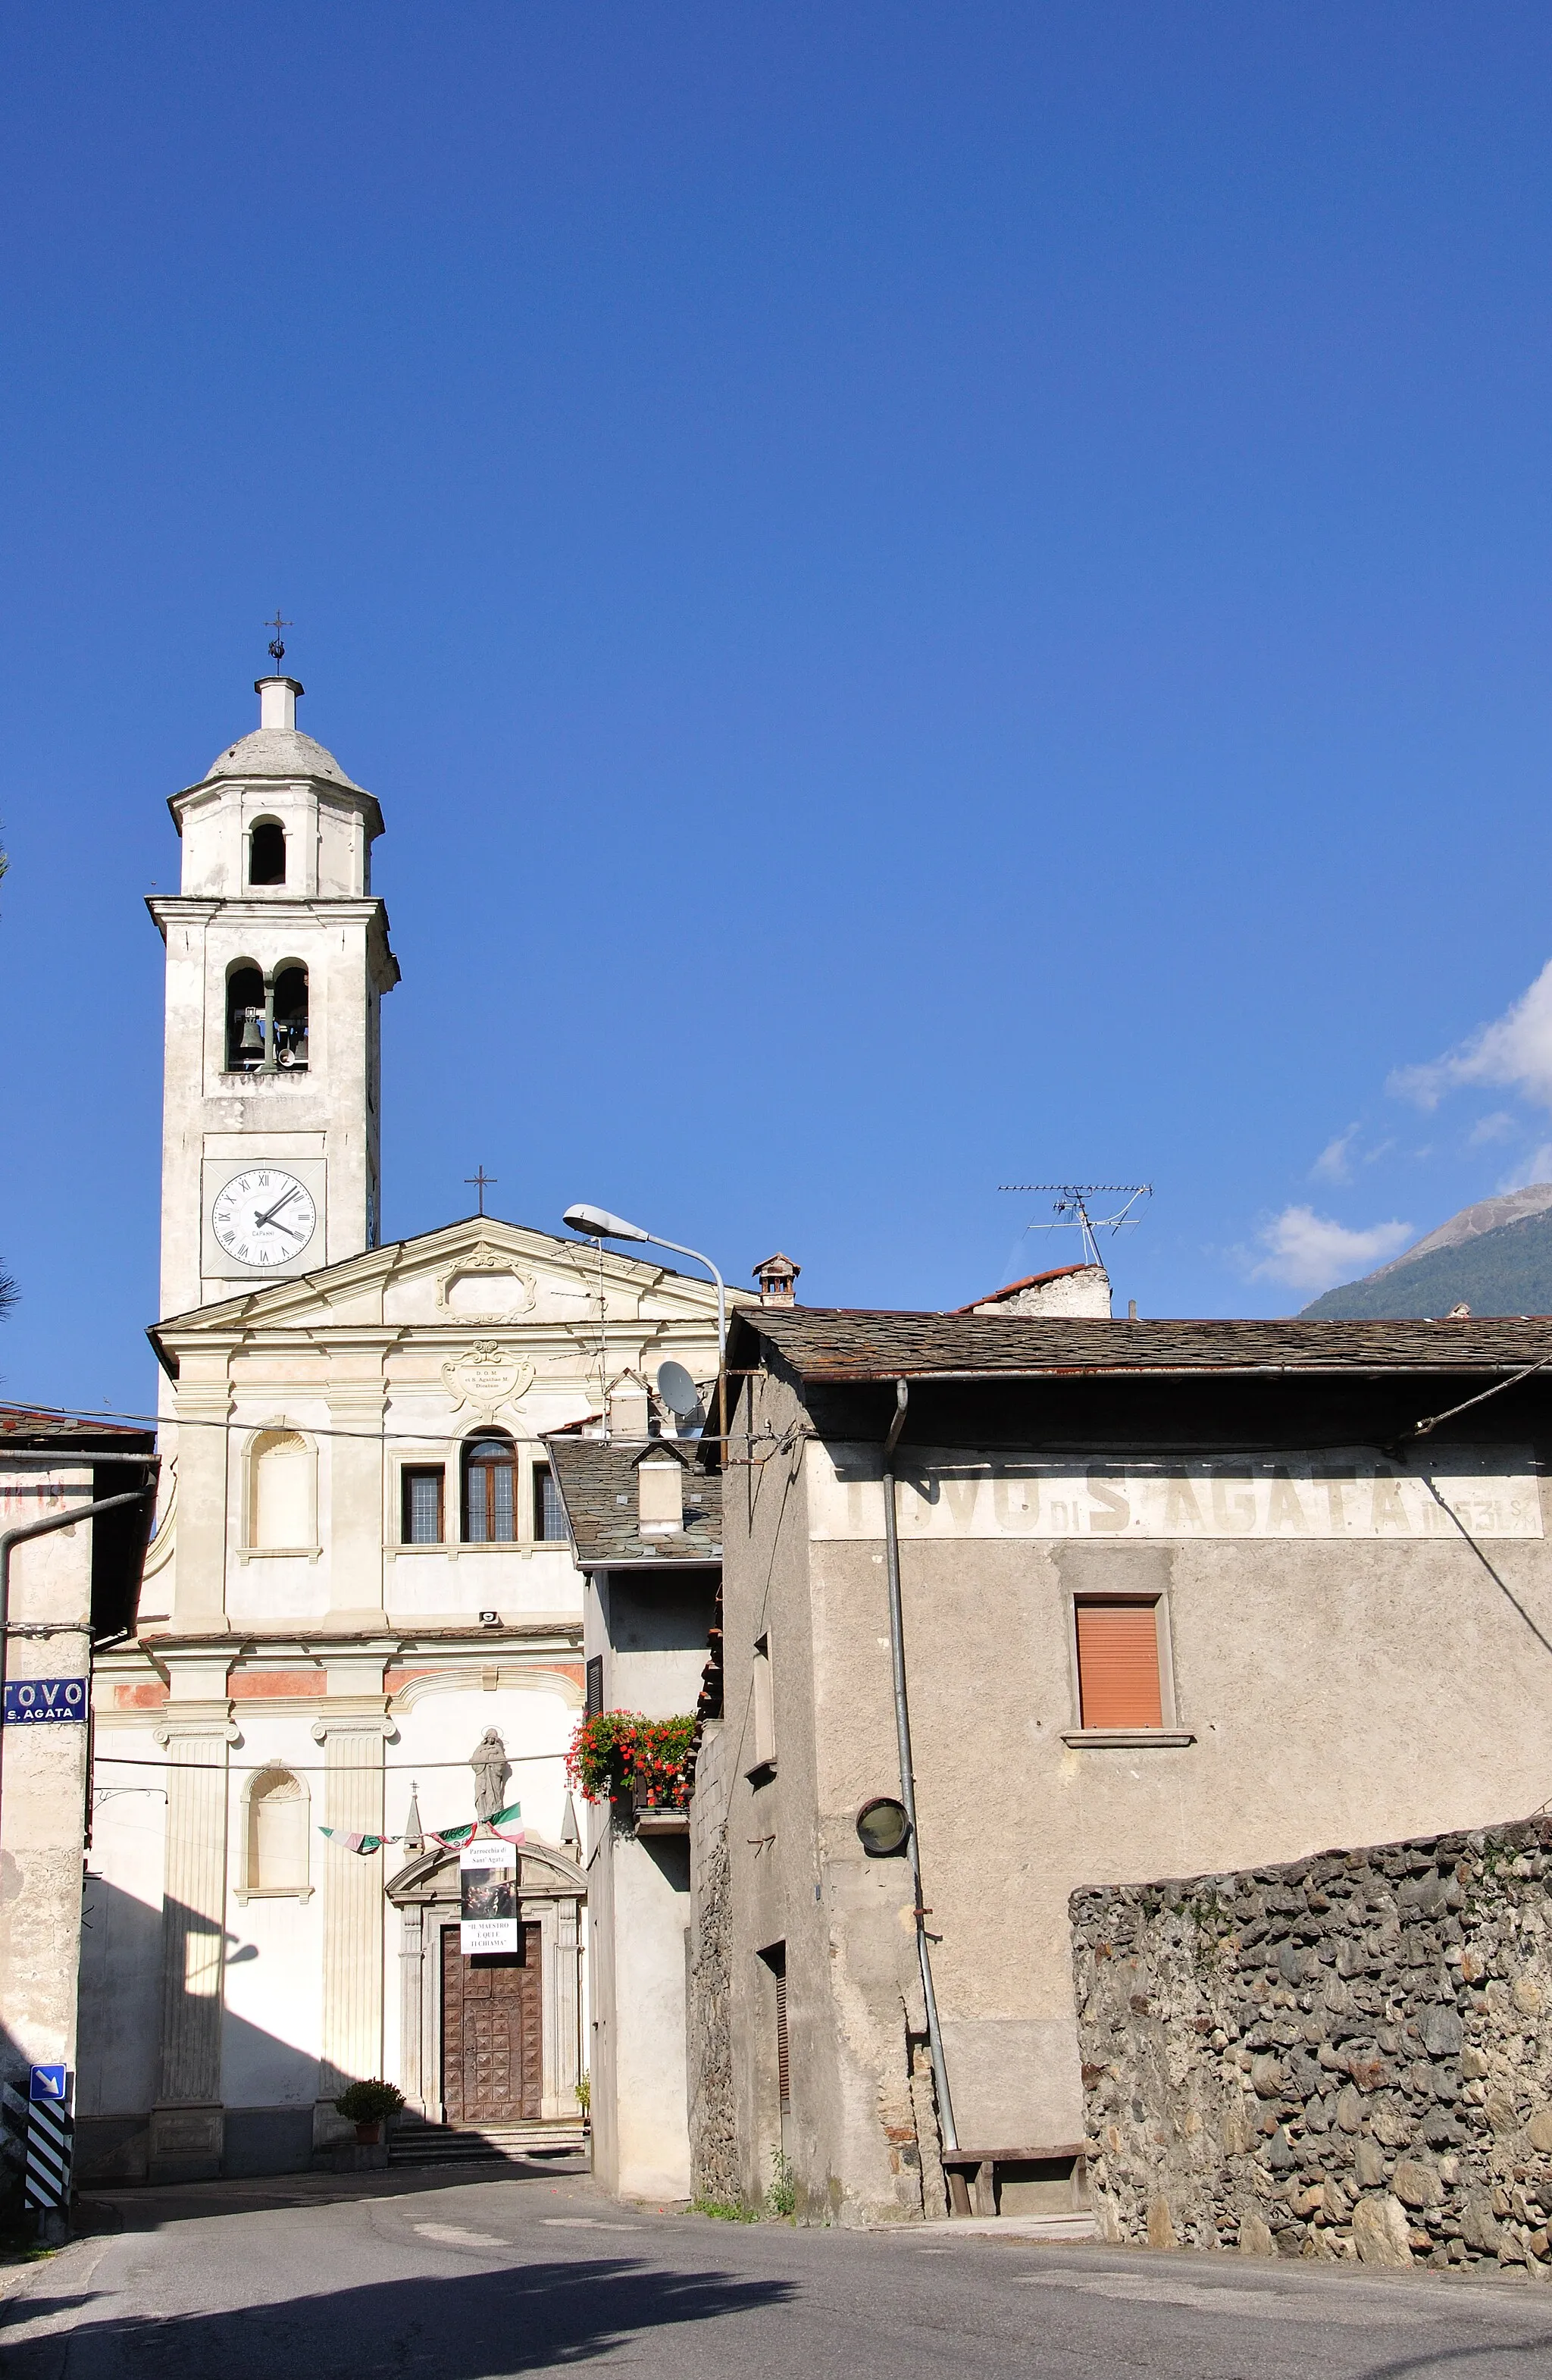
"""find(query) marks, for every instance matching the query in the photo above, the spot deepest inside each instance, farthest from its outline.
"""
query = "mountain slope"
(1506, 1270)
(1487, 1215)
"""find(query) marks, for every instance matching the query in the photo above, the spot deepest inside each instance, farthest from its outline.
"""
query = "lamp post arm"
(721, 1289)
(655, 1240)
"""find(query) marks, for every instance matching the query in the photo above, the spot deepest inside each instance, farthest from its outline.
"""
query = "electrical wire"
(306, 1767)
(82, 1458)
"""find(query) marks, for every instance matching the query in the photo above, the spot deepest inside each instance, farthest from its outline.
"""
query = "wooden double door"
(491, 2033)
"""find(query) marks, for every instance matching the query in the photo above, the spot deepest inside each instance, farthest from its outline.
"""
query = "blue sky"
(933, 596)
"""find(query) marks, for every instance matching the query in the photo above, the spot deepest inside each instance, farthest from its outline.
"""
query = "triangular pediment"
(434, 1874)
(479, 1274)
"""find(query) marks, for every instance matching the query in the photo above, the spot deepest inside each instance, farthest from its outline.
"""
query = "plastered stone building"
(75, 1505)
(1176, 1600)
(647, 1524)
(360, 1562)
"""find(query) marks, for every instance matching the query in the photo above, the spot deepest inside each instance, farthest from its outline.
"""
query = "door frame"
(553, 1892)
(525, 2014)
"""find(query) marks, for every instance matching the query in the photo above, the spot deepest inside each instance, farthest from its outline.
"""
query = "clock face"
(263, 1216)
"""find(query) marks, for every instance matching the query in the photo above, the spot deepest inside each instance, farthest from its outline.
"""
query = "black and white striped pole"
(50, 2145)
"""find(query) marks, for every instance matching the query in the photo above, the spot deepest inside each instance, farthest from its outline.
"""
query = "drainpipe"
(907, 1777)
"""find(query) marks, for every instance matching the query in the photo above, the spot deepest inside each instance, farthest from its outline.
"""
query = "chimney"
(629, 1410)
(660, 1494)
(277, 700)
(1071, 1289)
(777, 1278)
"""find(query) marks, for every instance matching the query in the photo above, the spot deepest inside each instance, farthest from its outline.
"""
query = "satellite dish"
(681, 1396)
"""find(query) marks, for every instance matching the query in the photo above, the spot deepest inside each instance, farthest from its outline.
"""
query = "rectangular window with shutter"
(1119, 1680)
(783, 2055)
(763, 1735)
(774, 1960)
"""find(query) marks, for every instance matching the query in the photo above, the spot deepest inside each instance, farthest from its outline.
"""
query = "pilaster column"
(567, 2007)
(352, 1731)
(187, 2123)
(549, 2009)
(437, 1912)
(356, 1508)
(412, 1952)
(207, 1461)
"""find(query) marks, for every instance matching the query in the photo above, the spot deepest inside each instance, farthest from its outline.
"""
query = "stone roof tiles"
(842, 1344)
(597, 1483)
(24, 1426)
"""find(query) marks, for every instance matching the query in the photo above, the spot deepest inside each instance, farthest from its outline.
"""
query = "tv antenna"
(1071, 1208)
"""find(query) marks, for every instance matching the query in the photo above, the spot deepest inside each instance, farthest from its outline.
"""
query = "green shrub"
(782, 2196)
(368, 2103)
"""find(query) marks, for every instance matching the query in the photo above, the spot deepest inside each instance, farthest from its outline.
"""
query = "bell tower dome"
(277, 960)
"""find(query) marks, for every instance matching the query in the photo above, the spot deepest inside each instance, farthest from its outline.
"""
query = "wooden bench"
(976, 2178)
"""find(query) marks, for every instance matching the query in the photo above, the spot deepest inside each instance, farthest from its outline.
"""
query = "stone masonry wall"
(714, 2170)
(1349, 2057)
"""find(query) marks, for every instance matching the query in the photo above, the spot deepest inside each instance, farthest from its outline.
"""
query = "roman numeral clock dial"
(263, 1216)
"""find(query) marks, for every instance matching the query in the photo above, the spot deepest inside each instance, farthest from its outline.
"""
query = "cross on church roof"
(482, 1181)
(277, 651)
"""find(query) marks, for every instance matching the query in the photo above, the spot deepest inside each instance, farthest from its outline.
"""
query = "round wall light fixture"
(883, 1826)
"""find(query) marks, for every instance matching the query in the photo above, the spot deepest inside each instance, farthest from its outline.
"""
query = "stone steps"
(1077, 2226)
(456, 2144)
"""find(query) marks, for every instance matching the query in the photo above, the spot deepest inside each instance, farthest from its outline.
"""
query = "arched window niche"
(266, 1018)
(276, 1836)
(245, 1017)
(266, 852)
(291, 1016)
(282, 1500)
(489, 1497)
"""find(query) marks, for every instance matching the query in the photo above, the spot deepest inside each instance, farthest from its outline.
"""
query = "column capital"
(197, 1722)
(369, 1717)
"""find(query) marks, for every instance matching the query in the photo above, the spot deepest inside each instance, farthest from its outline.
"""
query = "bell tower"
(277, 961)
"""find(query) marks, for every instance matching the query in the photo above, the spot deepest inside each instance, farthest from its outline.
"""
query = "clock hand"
(259, 1221)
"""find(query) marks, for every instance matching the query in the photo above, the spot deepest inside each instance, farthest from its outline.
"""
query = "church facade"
(361, 1565)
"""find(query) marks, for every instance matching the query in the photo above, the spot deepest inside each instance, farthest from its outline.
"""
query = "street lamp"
(598, 1223)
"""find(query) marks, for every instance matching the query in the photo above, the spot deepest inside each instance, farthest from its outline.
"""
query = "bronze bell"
(252, 1040)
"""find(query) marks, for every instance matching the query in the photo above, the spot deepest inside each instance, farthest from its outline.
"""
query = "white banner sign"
(487, 1896)
(1285, 1497)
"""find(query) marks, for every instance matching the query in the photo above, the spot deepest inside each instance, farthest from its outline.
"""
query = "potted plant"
(641, 1763)
(661, 1769)
(603, 1754)
(366, 2105)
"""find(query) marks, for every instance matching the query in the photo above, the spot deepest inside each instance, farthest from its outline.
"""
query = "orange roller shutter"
(1118, 1665)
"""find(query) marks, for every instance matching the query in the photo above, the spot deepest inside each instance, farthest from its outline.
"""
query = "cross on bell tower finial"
(277, 650)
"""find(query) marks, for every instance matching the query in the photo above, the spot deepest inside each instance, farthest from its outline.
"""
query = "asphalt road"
(449, 2278)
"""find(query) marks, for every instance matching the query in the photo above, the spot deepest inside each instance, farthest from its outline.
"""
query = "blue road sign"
(48, 2083)
(34, 1702)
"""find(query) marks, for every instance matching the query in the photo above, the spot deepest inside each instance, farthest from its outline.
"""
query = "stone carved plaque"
(487, 1376)
(486, 1286)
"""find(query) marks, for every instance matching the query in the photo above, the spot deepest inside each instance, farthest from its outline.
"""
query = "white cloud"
(1515, 1051)
(1333, 1163)
(1310, 1251)
(1499, 1126)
